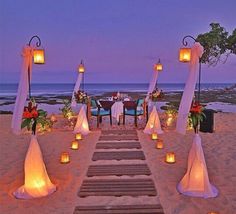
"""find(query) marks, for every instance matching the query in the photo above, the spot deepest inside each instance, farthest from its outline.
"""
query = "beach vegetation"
(218, 44)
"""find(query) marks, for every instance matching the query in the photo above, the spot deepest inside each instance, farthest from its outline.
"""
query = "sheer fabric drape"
(187, 97)
(76, 88)
(23, 88)
(152, 84)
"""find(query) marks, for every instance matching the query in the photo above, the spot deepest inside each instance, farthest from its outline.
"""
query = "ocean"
(98, 89)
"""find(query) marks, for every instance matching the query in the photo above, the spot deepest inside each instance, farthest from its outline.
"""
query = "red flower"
(27, 114)
(34, 113)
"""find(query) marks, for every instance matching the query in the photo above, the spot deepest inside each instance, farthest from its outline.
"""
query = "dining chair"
(135, 109)
(100, 109)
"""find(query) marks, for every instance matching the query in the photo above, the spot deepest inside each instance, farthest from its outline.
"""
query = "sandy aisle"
(219, 149)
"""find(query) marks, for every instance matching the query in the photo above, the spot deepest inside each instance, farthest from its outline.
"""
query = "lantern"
(78, 136)
(154, 136)
(170, 157)
(39, 56)
(185, 54)
(75, 145)
(169, 119)
(81, 68)
(160, 144)
(158, 66)
(212, 212)
(65, 158)
(53, 118)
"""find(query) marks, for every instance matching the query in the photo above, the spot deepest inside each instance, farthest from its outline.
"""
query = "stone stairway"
(107, 178)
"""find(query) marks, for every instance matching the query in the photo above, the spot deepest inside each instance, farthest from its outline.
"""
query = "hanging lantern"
(170, 157)
(185, 54)
(78, 136)
(65, 158)
(81, 68)
(75, 145)
(39, 56)
(158, 66)
(160, 144)
(154, 136)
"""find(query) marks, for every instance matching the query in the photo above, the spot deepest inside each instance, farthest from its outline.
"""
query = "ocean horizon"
(10, 89)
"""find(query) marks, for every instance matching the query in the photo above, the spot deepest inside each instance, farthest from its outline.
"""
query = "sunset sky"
(119, 40)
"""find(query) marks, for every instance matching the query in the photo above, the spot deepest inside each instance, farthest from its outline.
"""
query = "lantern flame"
(39, 56)
(185, 54)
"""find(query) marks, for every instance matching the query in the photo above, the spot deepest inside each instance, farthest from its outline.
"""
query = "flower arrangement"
(33, 117)
(66, 109)
(196, 115)
(81, 97)
(116, 96)
(156, 94)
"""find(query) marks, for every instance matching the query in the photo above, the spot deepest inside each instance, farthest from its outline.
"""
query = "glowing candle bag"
(196, 181)
(37, 183)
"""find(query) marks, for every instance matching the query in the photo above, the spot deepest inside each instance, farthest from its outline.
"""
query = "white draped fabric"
(187, 97)
(117, 110)
(153, 124)
(82, 122)
(196, 181)
(76, 88)
(37, 183)
(152, 84)
(23, 88)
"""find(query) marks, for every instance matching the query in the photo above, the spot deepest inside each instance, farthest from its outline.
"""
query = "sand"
(219, 149)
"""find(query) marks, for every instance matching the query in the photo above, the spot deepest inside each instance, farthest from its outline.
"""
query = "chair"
(135, 108)
(100, 110)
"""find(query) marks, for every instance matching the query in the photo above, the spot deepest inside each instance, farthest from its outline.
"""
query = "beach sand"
(219, 149)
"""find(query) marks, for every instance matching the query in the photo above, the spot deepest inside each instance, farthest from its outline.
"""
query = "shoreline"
(218, 100)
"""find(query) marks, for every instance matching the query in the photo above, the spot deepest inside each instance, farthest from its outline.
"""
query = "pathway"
(134, 184)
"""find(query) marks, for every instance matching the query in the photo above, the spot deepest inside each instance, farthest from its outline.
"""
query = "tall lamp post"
(38, 57)
(158, 67)
(81, 69)
(185, 56)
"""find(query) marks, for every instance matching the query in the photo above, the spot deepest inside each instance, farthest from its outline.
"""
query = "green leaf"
(25, 123)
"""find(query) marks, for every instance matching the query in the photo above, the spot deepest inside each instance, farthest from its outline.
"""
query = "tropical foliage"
(66, 109)
(33, 117)
(196, 115)
(218, 44)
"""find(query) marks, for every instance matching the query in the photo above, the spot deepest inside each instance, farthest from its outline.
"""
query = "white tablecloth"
(117, 109)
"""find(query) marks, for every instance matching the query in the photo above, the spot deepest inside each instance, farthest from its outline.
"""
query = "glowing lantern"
(212, 213)
(53, 118)
(65, 158)
(78, 136)
(81, 68)
(158, 66)
(170, 157)
(39, 56)
(75, 145)
(160, 144)
(154, 136)
(169, 121)
(185, 54)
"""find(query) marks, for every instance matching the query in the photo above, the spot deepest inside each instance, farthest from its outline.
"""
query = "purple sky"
(119, 40)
